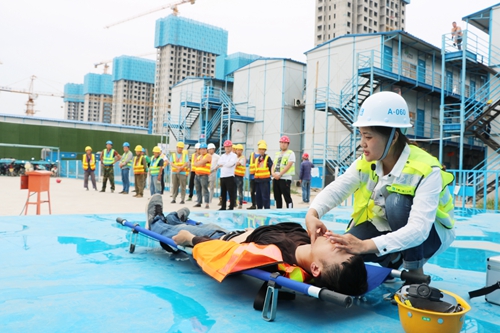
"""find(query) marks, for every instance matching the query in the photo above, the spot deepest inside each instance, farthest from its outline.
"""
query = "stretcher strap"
(485, 290)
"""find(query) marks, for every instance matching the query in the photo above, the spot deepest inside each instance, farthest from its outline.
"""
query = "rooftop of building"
(134, 69)
(481, 19)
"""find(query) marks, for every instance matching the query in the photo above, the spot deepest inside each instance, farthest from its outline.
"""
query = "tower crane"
(172, 6)
(30, 104)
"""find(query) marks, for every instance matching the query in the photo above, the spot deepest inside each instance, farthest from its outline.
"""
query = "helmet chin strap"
(388, 145)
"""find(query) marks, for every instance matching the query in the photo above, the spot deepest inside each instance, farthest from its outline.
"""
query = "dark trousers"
(162, 181)
(263, 194)
(228, 185)
(109, 173)
(397, 209)
(282, 187)
(139, 181)
(191, 183)
(253, 192)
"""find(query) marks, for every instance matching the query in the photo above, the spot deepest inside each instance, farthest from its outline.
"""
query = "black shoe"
(102, 191)
(252, 207)
(197, 205)
(153, 209)
(173, 201)
(222, 208)
(182, 202)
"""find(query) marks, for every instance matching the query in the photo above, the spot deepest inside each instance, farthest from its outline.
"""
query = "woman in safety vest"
(403, 211)
(88, 163)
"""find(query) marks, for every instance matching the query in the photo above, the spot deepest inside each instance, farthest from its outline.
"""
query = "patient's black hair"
(349, 277)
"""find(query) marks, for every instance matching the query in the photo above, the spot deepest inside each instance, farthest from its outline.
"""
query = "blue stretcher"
(376, 276)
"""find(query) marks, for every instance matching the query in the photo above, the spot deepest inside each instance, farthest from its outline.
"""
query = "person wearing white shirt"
(227, 165)
(212, 179)
(403, 210)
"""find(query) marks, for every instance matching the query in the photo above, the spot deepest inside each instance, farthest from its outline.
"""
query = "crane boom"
(172, 6)
(24, 91)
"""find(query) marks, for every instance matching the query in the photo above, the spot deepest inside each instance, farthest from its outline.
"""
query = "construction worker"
(88, 163)
(148, 162)
(403, 210)
(109, 157)
(165, 165)
(192, 174)
(283, 170)
(180, 163)
(212, 179)
(139, 171)
(125, 164)
(239, 172)
(251, 167)
(227, 164)
(203, 164)
(155, 169)
(305, 177)
(263, 166)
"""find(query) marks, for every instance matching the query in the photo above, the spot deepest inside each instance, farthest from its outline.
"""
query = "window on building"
(348, 14)
(365, 29)
(348, 24)
(348, 4)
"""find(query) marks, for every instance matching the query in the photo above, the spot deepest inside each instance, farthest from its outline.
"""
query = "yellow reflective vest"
(139, 168)
(418, 166)
(284, 161)
(92, 162)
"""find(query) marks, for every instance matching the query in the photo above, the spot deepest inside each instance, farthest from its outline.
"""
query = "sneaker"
(153, 209)
(182, 202)
(207, 206)
(173, 201)
(252, 207)
(189, 199)
(197, 205)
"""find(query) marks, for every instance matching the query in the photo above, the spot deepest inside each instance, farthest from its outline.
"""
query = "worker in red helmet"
(305, 177)
(282, 171)
(227, 165)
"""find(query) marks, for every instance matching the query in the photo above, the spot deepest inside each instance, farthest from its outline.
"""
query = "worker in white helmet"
(403, 211)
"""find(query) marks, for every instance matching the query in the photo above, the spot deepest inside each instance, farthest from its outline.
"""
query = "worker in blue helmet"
(109, 157)
(125, 165)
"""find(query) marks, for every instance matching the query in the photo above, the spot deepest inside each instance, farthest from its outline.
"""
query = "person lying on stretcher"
(332, 268)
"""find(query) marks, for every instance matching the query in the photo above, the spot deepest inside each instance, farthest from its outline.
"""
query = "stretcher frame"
(275, 281)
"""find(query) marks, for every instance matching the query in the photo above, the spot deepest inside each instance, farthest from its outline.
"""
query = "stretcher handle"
(148, 232)
(336, 298)
(415, 278)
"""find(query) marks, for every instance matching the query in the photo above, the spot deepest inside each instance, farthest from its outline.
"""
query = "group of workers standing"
(201, 169)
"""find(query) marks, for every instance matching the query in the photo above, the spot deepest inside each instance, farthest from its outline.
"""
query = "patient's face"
(325, 251)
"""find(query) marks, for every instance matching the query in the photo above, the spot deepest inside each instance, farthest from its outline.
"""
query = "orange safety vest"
(252, 164)
(139, 166)
(193, 159)
(203, 170)
(240, 170)
(179, 162)
(219, 258)
(261, 169)
(92, 162)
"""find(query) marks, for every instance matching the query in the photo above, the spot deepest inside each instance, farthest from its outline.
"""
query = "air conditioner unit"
(297, 102)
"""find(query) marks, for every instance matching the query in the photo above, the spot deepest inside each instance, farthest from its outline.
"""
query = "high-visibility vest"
(219, 258)
(251, 164)
(125, 156)
(240, 170)
(203, 170)
(178, 162)
(154, 169)
(261, 169)
(138, 165)
(109, 157)
(284, 161)
(92, 162)
(193, 159)
(418, 166)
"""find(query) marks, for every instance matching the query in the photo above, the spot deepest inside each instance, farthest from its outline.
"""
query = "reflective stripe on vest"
(125, 156)
(252, 164)
(418, 166)
(109, 158)
(240, 170)
(193, 159)
(154, 169)
(295, 273)
(261, 170)
(203, 170)
(179, 162)
(92, 162)
(138, 165)
(284, 161)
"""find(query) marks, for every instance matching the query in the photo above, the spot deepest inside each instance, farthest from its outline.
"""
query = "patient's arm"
(184, 238)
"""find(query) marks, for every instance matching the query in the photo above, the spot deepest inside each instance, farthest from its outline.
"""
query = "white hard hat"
(211, 146)
(197, 146)
(386, 109)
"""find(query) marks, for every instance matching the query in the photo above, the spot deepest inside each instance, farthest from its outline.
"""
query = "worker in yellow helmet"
(139, 171)
(155, 171)
(88, 163)
(251, 169)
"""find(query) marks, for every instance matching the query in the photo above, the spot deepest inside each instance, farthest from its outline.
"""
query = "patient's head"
(336, 269)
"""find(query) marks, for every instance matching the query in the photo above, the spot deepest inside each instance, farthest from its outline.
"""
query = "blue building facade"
(97, 84)
(226, 65)
(134, 69)
(73, 92)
